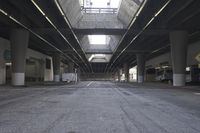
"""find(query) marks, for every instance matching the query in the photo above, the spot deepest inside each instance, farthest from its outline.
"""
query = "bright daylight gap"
(102, 3)
(97, 39)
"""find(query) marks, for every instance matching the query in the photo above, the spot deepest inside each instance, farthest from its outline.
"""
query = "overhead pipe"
(129, 26)
(157, 50)
(42, 12)
(41, 38)
(143, 29)
(69, 24)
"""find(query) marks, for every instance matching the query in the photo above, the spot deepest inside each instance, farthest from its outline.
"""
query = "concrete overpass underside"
(68, 26)
(99, 66)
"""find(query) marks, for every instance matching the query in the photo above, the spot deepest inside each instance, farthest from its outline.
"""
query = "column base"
(18, 79)
(178, 79)
(140, 79)
(57, 78)
(118, 79)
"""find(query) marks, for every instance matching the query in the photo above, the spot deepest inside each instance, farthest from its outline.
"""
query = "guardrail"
(99, 10)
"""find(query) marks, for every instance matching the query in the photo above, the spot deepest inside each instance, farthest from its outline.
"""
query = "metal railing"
(99, 10)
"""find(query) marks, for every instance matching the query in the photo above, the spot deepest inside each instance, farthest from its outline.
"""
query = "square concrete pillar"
(19, 39)
(179, 41)
(140, 67)
(126, 72)
(56, 66)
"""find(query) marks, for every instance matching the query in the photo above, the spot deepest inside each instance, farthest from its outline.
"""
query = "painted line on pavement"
(89, 83)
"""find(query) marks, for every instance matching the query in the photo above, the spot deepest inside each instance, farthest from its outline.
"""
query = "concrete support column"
(179, 41)
(71, 67)
(19, 39)
(65, 68)
(126, 72)
(140, 67)
(118, 74)
(56, 66)
(78, 74)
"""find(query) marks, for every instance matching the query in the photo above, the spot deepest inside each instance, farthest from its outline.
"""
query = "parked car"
(164, 74)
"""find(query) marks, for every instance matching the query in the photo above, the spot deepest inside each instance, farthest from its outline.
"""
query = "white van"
(164, 74)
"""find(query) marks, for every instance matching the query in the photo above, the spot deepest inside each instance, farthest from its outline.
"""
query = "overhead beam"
(96, 31)
(148, 32)
(98, 52)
